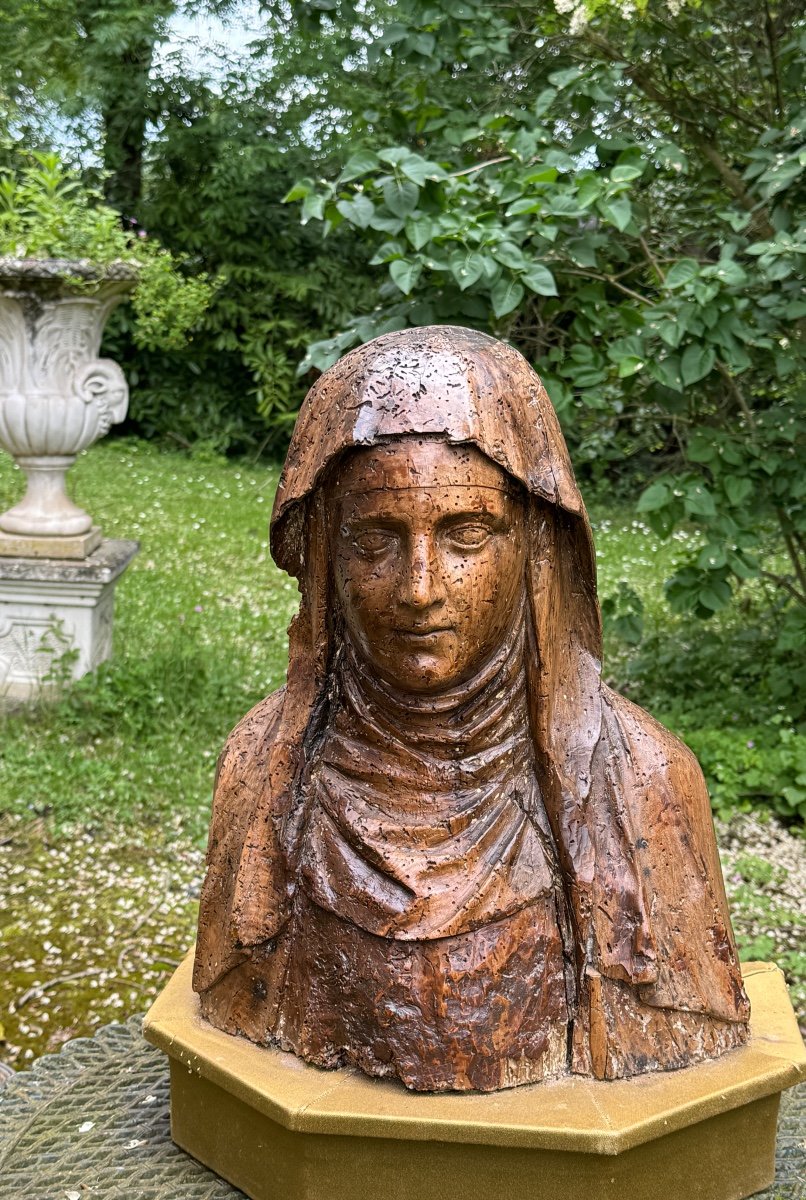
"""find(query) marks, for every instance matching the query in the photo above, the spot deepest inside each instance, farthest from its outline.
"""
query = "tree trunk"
(124, 114)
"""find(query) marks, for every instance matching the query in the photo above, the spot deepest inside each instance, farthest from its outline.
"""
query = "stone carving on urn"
(57, 396)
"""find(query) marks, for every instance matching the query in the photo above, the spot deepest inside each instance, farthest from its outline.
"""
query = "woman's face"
(427, 542)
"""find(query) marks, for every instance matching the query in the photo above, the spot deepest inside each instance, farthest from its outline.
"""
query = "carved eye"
(373, 542)
(469, 537)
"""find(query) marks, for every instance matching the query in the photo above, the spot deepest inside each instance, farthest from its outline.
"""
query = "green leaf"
(712, 557)
(656, 496)
(423, 43)
(540, 280)
(543, 101)
(401, 196)
(583, 250)
(394, 155)
(419, 170)
(618, 212)
(715, 596)
(701, 448)
(670, 331)
(419, 230)
(624, 172)
(696, 363)
(586, 377)
(386, 224)
(313, 208)
(467, 268)
(526, 205)
(630, 628)
(405, 274)
(781, 175)
(561, 79)
(298, 192)
(561, 159)
(629, 366)
(396, 32)
(672, 158)
(682, 272)
(699, 501)
(741, 567)
(704, 293)
(510, 255)
(737, 488)
(506, 295)
(544, 175)
(358, 212)
(589, 190)
(667, 372)
(387, 251)
(358, 164)
(729, 272)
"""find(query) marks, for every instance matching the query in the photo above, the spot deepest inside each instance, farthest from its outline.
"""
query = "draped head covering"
(606, 771)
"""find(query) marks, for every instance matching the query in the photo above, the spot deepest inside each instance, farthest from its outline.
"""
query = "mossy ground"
(106, 792)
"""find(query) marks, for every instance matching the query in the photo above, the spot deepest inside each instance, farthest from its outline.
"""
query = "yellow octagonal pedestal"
(280, 1129)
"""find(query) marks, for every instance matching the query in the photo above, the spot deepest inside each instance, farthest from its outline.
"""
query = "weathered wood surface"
(446, 851)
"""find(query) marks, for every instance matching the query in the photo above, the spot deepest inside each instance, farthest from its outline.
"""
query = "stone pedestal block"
(279, 1128)
(81, 545)
(56, 617)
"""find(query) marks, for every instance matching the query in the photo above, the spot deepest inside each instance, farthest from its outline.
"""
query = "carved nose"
(423, 588)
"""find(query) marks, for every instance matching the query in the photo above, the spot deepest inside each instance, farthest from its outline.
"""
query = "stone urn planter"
(57, 396)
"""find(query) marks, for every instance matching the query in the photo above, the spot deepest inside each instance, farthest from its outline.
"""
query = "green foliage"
(623, 614)
(216, 180)
(200, 158)
(767, 769)
(45, 212)
(719, 686)
(65, 60)
(167, 304)
(630, 213)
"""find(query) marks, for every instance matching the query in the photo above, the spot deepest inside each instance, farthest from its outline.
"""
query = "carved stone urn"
(57, 396)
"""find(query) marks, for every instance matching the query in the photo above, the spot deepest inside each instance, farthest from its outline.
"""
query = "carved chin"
(427, 667)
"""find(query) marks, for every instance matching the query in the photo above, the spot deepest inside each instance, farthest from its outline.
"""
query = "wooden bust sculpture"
(446, 851)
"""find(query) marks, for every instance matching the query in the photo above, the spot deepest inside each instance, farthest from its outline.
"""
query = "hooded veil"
(655, 978)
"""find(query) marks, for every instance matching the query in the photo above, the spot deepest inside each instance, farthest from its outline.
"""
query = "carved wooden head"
(427, 546)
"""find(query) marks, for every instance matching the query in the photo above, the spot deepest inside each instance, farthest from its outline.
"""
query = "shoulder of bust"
(249, 739)
(655, 747)
(258, 723)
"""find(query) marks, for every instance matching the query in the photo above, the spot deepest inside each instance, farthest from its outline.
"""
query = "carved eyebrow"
(365, 521)
(473, 517)
(371, 521)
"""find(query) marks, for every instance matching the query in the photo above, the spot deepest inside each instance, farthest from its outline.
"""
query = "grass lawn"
(200, 636)
(118, 772)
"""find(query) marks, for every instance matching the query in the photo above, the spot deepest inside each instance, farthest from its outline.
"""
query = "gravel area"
(764, 865)
(92, 923)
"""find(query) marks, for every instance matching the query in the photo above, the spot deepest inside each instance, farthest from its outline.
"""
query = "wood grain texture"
(446, 851)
